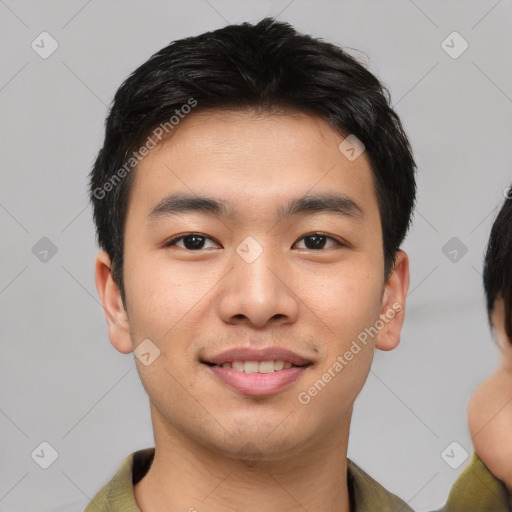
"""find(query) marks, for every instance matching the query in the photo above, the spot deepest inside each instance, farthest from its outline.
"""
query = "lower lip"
(258, 384)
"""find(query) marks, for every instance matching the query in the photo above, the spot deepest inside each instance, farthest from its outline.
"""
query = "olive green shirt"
(475, 490)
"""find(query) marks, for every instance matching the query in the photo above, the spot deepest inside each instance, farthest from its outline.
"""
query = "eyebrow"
(338, 204)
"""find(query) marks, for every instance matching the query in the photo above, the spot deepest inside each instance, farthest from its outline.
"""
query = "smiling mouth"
(270, 366)
(258, 378)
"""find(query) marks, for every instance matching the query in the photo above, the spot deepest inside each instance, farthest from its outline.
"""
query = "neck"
(188, 476)
(506, 356)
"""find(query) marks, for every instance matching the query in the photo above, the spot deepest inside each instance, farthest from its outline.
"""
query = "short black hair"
(265, 66)
(498, 264)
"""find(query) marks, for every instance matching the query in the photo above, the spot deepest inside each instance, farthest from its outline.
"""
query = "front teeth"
(258, 367)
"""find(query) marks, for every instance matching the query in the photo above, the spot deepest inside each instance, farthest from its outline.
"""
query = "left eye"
(318, 241)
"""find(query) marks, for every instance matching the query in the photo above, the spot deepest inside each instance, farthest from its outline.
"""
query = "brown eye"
(317, 241)
(191, 242)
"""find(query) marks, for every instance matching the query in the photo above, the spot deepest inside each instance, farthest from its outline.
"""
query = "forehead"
(253, 160)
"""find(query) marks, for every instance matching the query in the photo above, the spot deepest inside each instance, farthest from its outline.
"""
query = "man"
(490, 407)
(251, 198)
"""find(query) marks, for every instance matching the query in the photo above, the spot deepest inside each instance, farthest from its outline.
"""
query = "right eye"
(191, 241)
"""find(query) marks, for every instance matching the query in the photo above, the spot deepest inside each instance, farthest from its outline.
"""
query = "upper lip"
(263, 354)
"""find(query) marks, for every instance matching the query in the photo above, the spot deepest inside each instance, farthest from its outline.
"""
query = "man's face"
(252, 279)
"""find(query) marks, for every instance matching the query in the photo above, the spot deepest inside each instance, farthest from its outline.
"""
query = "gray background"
(62, 381)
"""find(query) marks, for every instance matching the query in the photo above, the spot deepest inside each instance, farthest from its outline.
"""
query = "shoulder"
(477, 490)
(118, 493)
(366, 494)
(489, 417)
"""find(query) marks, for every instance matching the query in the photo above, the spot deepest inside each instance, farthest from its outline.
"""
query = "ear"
(393, 303)
(110, 295)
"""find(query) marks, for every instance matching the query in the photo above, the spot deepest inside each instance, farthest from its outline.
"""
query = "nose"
(258, 292)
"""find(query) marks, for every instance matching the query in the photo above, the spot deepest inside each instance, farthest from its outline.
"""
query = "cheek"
(156, 280)
(343, 302)
(157, 297)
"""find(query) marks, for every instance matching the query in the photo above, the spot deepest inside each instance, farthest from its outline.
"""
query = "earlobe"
(110, 296)
(393, 304)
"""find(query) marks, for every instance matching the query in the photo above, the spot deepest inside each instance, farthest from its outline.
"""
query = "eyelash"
(171, 242)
